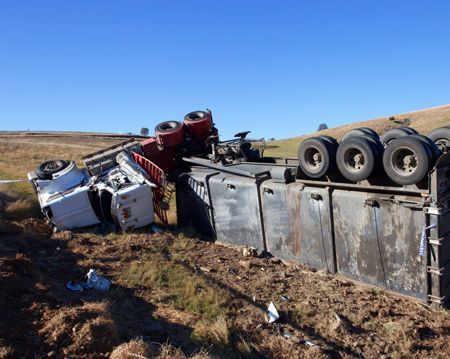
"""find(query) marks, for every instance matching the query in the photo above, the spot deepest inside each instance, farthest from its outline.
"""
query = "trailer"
(393, 237)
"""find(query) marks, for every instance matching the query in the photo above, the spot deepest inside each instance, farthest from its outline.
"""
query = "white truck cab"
(71, 197)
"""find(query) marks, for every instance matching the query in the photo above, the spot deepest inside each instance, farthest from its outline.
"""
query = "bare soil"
(322, 315)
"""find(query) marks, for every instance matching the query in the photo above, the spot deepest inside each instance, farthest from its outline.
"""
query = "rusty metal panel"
(280, 237)
(297, 223)
(377, 240)
(236, 210)
(193, 202)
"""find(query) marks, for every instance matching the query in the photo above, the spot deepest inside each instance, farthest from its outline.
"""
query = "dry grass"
(216, 332)
(168, 351)
(20, 209)
(6, 352)
(424, 121)
(302, 313)
(86, 329)
(136, 348)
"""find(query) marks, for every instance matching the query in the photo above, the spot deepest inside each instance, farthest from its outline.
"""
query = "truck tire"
(357, 157)
(370, 131)
(411, 130)
(47, 169)
(406, 160)
(329, 139)
(199, 124)
(395, 133)
(358, 132)
(169, 133)
(434, 150)
(441, 137)
(316, 157)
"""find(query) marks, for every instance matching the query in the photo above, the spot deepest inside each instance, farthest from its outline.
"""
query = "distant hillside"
(424, 121)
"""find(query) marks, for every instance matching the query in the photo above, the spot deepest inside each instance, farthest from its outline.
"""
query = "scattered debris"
(273, 313)
(250, 251)
(94, 281)
(97, 282)
(74, 286)
(285, 298)
(155, 229)
(307, 342)
(275, 260)
(207, 270)
(297, 340)
(64, 235)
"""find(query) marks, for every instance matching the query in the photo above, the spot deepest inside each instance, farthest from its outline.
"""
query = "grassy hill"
(424, 121)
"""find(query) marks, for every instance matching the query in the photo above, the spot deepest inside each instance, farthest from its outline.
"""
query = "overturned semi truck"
(374, 209)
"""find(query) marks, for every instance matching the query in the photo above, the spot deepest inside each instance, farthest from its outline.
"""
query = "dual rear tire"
(441, 137)
(358, 157)
(317, 156)
(405, 156)
(407, 160)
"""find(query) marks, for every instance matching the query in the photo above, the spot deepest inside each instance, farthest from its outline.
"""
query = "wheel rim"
(167, 126)
(195, 116)
(404, 162)
(50, 166)
(354, 160)
(313, 159)
(443, 144)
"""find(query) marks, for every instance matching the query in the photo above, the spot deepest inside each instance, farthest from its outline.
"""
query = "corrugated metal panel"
(193, 202)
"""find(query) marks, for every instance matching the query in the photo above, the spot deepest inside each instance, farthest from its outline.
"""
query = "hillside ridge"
(424, 121)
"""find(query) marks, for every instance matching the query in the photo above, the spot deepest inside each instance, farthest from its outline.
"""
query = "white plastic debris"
(311, 344)
(97, 282)
(273, 313)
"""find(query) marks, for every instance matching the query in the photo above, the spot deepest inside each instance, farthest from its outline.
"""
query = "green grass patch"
(182, 287)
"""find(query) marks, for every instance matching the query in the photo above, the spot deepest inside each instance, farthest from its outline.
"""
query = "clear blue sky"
(278, 68)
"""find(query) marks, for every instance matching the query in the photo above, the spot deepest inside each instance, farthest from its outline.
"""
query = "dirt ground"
(321, 315)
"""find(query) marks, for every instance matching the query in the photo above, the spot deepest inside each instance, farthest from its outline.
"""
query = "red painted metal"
(199, 124)
(164, 190)
(170, 137)
(163, 158)
(150, 147)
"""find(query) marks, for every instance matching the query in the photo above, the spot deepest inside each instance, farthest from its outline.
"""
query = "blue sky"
(277, 68)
